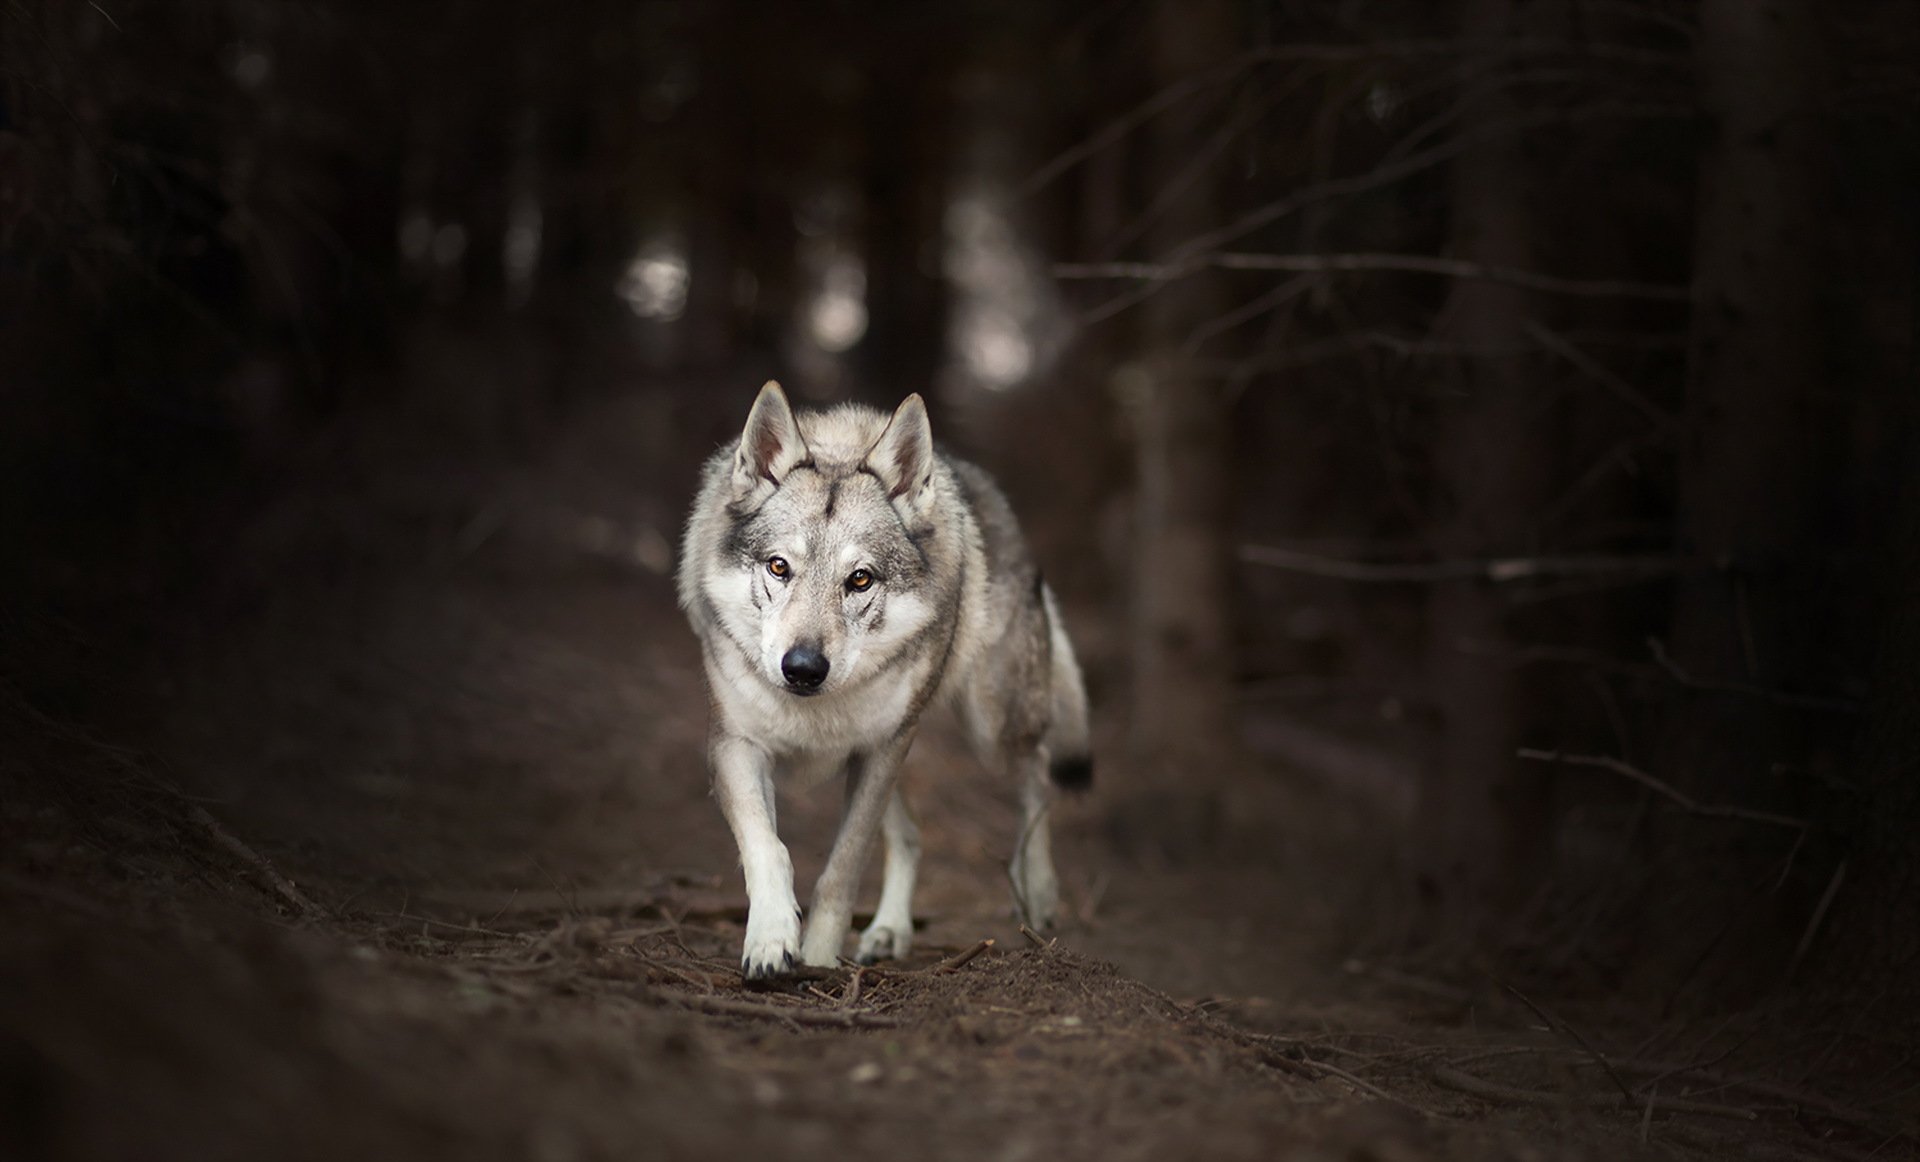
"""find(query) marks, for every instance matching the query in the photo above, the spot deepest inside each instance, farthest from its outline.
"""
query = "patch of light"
(416, 236)
(1382, 101)
(994, 350)
(251, 68)
(837, 314)
(449, 243)
(1006, 320)
(671, 89)
(822, 211)
(655, 283)
(520, 245)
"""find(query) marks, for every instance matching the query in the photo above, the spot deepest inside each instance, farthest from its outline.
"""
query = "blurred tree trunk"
(1485, 815)
(907, 115)
(1182, 706)
(1873, 944)
(1746, 468)
(1868, 954)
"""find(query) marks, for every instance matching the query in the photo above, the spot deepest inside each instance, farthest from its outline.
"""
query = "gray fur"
(955, 611)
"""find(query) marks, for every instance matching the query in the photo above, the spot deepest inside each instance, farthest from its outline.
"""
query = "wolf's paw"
(772, 947)
(884, 942)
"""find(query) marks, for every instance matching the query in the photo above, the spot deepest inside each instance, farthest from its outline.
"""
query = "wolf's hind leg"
(743, 782)
(1036, 888)
(891, 933)
(869, 790)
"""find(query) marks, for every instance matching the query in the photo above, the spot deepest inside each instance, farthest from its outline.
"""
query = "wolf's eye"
(778, 567)
(860, 581)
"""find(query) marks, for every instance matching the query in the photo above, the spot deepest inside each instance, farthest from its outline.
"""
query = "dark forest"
(1471, 442)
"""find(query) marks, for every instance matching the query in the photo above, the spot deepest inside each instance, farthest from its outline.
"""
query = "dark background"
(1490, 420)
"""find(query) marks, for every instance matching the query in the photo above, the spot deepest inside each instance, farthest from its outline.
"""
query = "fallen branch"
(1760, 1087)
(230, 843)
(1368, 1087)
(1685, 801)
(1559, 1026)
(827, 1018)
(960, 961)
(1467, 1083)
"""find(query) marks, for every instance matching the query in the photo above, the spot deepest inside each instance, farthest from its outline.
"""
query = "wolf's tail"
(1069, 738)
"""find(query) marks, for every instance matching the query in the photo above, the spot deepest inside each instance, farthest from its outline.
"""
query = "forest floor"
(419, 862)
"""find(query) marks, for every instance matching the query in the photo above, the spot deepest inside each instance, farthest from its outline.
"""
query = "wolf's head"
(824, 574)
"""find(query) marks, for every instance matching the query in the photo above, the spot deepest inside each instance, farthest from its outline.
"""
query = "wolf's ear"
(770, 446)
(903, 455)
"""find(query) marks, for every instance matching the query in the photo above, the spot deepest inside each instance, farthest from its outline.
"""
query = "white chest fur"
(805, 732)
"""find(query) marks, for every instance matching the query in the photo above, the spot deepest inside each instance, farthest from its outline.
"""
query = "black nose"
(804, 666)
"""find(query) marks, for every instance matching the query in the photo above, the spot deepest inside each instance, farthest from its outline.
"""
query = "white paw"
(773, 940)
(884, 942)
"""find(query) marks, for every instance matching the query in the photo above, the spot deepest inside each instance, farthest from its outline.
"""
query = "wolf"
(843, 576)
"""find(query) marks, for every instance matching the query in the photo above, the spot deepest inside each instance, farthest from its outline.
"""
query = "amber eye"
(778, 567)
(860, 581)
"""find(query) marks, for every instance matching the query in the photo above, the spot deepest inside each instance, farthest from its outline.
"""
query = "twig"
(227, 841)
(1366, 1086)
(1467, 1083)
(962, 960)
(1685, 801)
(1174, 93)
(1497, 569)
(827, 1018)
(1632, 396)
(1037, 940)
(1403, 263)
(1819, 914)
(853, 986)
(1273, 1052)
(470, 929)
(1189, 253)
(1810, 701)
(1759, 1087)
(1559, 1026)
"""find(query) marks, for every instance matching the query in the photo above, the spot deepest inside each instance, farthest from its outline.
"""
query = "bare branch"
(1809, 701)
(1171, 95)
(1813, 923)
(1499, 570)
(1410, 263)
(1667, 790)
(1126, 123)
(1426, 159)
(1633, 396)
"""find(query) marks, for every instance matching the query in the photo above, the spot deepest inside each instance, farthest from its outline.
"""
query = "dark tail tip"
(1072, 774)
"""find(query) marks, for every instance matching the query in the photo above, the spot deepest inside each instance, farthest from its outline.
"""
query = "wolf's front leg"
(743, 782)
(870, 780)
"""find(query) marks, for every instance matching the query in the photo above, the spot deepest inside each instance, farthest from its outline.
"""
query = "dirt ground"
(414, 858)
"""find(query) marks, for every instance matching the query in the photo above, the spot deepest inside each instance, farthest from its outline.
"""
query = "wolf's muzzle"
(804, 668)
